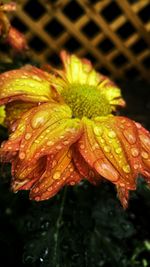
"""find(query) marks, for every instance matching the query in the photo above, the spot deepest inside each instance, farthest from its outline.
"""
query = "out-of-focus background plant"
(84, 225)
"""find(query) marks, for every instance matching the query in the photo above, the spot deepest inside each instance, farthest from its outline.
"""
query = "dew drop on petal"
(106, 170)
(49, 189)
(66, 143)
(121, 126)
(54, 163)
(112, 134)
(36, 190)
(56, 175)
(82, 146)
(144, 155)
(134, 152)
(98, 131)
(102, 140)
(126, 168)
(95, 146)
(135, 166)
(28, 136)
(145, 139)
(118, 150)
(130, 137)
(22, 155)
(138, 125)
(107, 149)
(37, 198)
(39, 119)
(58, 147)
(50, 143)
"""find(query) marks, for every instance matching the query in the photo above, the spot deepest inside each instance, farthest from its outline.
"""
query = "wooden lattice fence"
(115, 35)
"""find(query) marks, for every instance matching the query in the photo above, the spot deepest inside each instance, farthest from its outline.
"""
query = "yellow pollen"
(86, 100)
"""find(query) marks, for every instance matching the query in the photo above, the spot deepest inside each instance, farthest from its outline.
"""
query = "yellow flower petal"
(15, 110)
(42, 130)
(2, 114)
(111, 92)
(79, 71)
(26, 84)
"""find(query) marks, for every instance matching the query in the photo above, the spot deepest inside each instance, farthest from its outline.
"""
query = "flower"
(11, 35)
(63, 129)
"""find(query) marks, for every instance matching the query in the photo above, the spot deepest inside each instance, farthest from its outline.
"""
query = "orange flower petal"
(84, 168)
(10, 148)
(59, 171)
(47, 131)
(123, 195)
(27, 84)
(17, 40)
(144, 137)
(107, 148)
(25, 176)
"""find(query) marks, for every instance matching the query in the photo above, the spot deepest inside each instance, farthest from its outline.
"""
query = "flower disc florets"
(86, 100)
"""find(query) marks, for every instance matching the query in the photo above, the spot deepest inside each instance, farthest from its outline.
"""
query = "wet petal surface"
(26, 84)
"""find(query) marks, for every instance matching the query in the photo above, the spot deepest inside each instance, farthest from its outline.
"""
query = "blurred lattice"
(114, 34)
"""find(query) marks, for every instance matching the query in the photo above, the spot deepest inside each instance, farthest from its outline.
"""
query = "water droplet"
(36, 190)
(135, 166)
(118, 150)
(138, 125)
(145, 140)
(130, 137)
(98, 130)
(49, 189)
(37, 198)
(50, 143)
(112, 134)
(22, 155)
(54, 163)
(58, 147)
(102, 140)
(144, 155)
(66, 143)
(39, 118)
(36, 78)
(95, 146)
(82, 146)
(106, 170)
(134, 152)
(56, 175)
(107, 149)
(126, 168)
(121, 126)
(37, 141)
(28, 136)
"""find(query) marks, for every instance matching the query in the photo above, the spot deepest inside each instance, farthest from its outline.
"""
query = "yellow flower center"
(86, 100)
